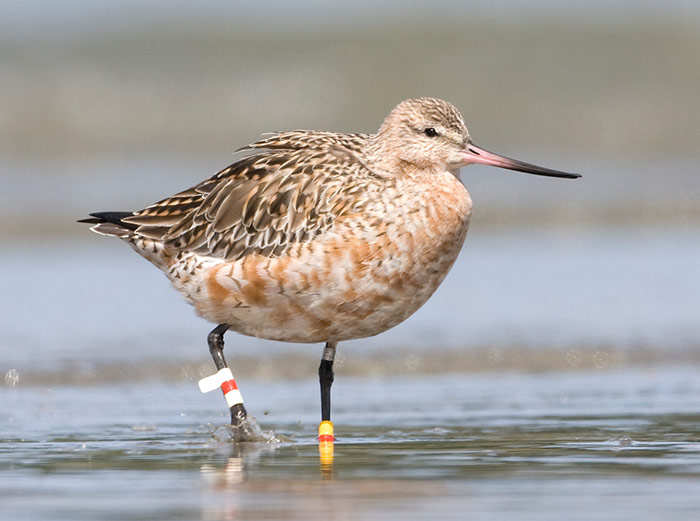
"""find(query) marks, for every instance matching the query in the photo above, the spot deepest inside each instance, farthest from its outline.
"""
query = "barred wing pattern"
(289, 192)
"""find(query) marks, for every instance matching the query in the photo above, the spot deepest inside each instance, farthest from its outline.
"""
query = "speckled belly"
(352, 283)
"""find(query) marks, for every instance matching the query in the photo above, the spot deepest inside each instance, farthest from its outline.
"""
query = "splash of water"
(248, 431)
(12, 377)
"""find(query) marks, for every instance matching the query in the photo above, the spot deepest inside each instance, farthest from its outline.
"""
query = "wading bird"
(317, 237)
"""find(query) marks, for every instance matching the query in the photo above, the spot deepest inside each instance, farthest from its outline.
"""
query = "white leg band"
(212, 382)
(233, 397)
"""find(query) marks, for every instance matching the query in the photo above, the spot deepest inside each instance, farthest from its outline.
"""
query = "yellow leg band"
(325, 431)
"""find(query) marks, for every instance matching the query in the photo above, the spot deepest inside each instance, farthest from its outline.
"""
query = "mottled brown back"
(291, 191)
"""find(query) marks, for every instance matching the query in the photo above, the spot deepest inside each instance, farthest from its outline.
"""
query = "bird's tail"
(111, 223)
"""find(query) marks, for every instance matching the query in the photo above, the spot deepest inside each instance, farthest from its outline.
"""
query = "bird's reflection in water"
(245, 477)
(326, 450)
(226, 485)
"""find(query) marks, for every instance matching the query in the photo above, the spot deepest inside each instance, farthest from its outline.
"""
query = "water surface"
(575, 445)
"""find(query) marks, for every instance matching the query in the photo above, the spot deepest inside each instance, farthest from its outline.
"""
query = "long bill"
(474, 154)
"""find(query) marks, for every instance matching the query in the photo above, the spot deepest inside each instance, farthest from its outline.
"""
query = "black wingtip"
(110, 217)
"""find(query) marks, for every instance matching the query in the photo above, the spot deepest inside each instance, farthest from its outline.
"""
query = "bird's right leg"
(223, 378)
(325, 428)
(325, 375)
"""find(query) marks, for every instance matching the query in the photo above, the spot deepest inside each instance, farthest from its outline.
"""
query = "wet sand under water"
(617, 444)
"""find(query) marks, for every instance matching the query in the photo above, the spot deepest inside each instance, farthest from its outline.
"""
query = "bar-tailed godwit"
(317, 236)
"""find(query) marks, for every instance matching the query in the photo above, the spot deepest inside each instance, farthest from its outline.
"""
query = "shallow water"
(574, 445)
(553, 376)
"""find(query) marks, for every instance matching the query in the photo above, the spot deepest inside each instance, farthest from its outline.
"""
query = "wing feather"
(289, 190)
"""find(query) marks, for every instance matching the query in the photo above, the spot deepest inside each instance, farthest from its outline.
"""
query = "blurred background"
(114, 105)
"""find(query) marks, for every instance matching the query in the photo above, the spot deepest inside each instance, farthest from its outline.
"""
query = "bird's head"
(429, 134)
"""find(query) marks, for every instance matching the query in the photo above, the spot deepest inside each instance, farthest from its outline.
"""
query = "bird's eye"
(430, 132)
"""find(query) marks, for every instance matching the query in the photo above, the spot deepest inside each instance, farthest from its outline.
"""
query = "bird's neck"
(384, 156)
